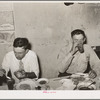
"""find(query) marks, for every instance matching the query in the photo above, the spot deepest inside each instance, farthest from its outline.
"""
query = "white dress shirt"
(30, 63)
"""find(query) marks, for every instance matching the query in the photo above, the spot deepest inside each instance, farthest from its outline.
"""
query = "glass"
(1, 80)
(10, 84)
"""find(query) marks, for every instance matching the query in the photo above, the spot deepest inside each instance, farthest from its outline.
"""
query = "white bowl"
(43, 81)
(88, 85)
(26, 85)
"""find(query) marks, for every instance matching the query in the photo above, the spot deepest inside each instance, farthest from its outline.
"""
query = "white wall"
(6, 28)
(48, 27)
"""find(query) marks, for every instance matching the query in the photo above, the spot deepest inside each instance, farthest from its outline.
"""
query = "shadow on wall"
(97, 50)
(40, 73)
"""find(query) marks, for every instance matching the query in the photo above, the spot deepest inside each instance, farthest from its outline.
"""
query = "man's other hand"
(20, 74)
(92, 74)
(74, 48)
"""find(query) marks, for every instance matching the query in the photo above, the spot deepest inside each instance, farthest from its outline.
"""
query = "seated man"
(21, 62)
(78, 57)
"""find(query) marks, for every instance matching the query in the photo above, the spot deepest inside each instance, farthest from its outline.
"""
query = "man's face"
(19, 52)
(79, 39)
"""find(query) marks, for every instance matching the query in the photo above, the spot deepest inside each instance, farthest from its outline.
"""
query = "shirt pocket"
(27, 68)
(82, 63)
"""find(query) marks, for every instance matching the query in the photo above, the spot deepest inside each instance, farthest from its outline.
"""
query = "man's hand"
(74, 48)
(80, 47)
(92, 74)
(20, 74)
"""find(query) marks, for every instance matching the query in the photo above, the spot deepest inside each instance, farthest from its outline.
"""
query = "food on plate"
(92, 87)
(76, 80)
(79, 77)
(86, 85)
(25, 87)
(67, 84)
(85, 88)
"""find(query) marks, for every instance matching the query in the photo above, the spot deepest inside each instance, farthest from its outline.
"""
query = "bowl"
(26, 85)
(86, 86)
(92, 87)
(42, 81)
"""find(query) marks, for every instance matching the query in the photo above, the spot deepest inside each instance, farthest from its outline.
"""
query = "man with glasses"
(78, 57)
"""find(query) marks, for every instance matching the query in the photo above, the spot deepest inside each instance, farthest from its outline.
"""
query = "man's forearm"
(22, 74)
(66, 63)
(30, 75)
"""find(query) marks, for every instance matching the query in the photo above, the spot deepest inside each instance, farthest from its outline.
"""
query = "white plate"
(79, 75)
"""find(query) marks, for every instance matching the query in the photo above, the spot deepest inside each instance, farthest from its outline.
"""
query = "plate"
(91, 87)
(80, 75)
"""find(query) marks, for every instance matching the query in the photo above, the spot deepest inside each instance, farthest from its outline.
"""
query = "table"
(54, 83)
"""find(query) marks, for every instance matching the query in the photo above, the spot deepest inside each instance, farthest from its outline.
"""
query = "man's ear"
(71, 39)
(84, 39)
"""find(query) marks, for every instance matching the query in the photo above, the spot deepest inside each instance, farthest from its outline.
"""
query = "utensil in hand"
(10, 83)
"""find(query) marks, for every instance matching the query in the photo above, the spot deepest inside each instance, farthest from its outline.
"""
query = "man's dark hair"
(77, 32)
(21, 42)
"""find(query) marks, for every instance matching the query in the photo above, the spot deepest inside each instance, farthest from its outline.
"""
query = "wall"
(48, 27)
(6, 29)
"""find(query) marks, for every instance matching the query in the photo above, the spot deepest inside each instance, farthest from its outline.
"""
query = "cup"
(10, 83)
(80, 48)
(38, 87)
(1, 80)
